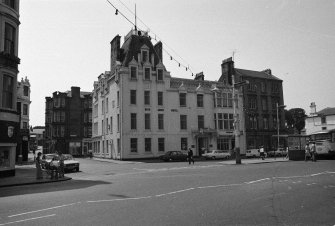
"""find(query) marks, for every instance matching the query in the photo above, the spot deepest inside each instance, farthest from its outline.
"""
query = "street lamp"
(236, 120)
(278, 106)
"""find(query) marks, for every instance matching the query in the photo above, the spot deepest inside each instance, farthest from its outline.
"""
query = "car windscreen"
(68, 157)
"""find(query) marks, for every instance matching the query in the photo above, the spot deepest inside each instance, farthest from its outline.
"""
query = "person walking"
(307, 152)
(261, 152)
(61, 165)
(190, 156)
(38, 163)
(313, 152)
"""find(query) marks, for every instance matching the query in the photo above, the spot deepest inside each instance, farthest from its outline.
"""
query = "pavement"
(26, 174)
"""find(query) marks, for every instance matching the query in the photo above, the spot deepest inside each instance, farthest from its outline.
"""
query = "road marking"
(255, 181)
(29, 219)
(310, 184)
(174, 192)
(125, 199)
(50, 208)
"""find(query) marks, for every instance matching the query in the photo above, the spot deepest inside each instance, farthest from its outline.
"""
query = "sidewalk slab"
(26, 175)
(256, 161)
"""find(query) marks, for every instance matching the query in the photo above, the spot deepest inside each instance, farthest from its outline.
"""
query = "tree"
(295, 119)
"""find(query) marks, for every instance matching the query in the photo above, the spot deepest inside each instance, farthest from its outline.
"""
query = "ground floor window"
(183, 143)
(223, 143)
(4, 158)
(147, 144)
(133, 144)
(75, 148)
(161, 144)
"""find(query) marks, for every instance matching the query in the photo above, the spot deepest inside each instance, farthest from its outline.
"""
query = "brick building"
(260, 100)
(68, 122)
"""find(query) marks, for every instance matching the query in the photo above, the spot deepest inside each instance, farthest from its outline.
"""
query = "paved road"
(207, 193)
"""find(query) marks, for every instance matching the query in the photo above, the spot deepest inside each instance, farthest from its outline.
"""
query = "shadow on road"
(49, 187)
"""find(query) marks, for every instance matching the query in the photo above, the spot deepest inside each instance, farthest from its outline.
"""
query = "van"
(251, 153)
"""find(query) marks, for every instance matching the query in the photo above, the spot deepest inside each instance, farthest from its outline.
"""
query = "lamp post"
(236, 120)
(278, 106)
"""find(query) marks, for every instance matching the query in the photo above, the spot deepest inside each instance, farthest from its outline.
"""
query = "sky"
(66, 43)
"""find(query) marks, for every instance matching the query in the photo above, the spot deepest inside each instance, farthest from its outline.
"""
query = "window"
(275, 88)
(25, 125)
(25, 109)
(111, 128)
(133, 72)
(103, 107)
(200, 100)
(182, 99)
(10, 3)
(264, 104)
(102, 126)
(253, 103)
(160, 98)
(201, 122)
(323, 120)
(9, 39)
(231, 121)
(145, 55)
(183, 122)
(161, 144)
(7, 91)
(95, 110)
(26, 91)
(133, 144)
(265, 123)
(253, 122)
(160, 74)
(146, 97)
(147, 125)
(274, 122)
(147, 73)
(183, 143)
(106, 105)
(133, 121)
(89, 116)
(230, 100)
(147, 144)
(118, 122)
(222, 144)
(263, 87)
(132, 96)
(107, 125)
(228, 121)
(160, 121)
(220, 121)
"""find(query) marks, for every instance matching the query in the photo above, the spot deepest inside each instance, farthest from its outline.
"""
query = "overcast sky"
(66, 43)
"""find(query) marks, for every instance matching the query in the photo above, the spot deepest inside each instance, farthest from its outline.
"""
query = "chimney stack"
(227, 69)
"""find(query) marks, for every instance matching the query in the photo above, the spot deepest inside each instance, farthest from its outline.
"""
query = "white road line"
(125, 199)
(50, 208)
(174, 192)
(29, 219)
(255, 181)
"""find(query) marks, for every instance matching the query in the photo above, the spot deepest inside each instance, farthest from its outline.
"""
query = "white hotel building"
(140, 111)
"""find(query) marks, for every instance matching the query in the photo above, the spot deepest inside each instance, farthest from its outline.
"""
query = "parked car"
(173, 156)
(278, 153)
(254, 153)
(217, 154)
(69, 163)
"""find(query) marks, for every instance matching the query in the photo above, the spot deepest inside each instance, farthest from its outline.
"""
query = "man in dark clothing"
(190, 156)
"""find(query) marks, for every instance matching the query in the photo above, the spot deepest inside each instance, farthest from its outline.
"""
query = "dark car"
(173, 156)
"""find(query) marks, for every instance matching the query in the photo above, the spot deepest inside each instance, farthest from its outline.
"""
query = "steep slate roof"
(327, 111)
(132, 46)
(255, 74)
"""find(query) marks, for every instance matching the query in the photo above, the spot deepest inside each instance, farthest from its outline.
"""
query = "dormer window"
(133, 72)
(160, 74)
(145, 56)
(147, 73)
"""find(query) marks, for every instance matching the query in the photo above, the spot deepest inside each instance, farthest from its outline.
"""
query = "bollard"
(238, 156)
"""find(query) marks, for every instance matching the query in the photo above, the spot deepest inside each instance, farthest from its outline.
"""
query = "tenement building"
(141, 111)
(68, 122)
(261, 98)
(23, 105)
(9, 61)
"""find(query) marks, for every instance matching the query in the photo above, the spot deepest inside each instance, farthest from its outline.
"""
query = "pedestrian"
(307, 152)
(261, 152)
(190, 156)
(287, 153)
(39, 174)
(61, 164)
(313, 152)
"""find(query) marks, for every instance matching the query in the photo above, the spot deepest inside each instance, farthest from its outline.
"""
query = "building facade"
(68, 122)
(141, 111)
(9, 61)
(260, 99)
(23, 107)
(320, 120)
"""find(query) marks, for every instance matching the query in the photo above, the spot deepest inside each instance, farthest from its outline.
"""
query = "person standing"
(190, 156)
(313, 152)
(261, 152)
(61, 164)
(307, 152)
(38, 163)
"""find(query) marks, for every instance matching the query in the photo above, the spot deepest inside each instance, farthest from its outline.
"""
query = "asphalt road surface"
(207, 193)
